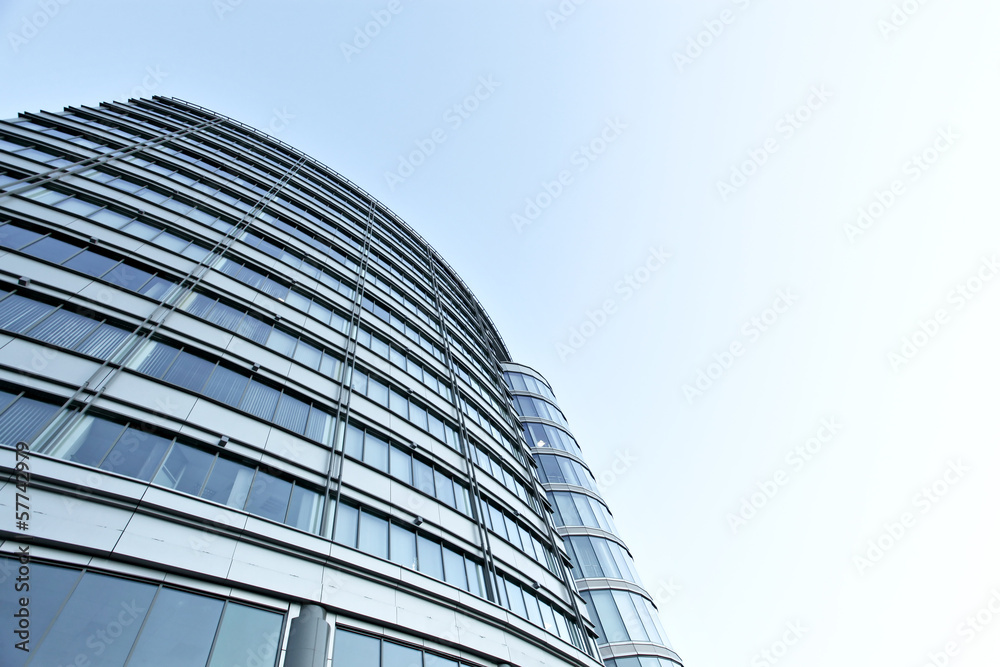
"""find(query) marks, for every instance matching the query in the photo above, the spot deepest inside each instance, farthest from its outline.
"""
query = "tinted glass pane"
(429, 557)
(17, 313)
(398, 404)
(353, 650)
(378, 392)
(373, 536)
(354, 442)
(179, 630)
(103, 341)
(100, 607)
(51, 249)
(189, 371)
(23, 420)
(402, 546)
(431, 660)
(226, 386)
(305, 510)
(347, 525)
(269, 497)
(445, 489)
(156, 287)
(376, 452)
(454, 568)
(128, 277)
(88, 441)
(91, 263)
(49, 587)
(15, 237)
(228, 483)
(185, 469)
(399, 465)
(136, 454)
(292, 414)
(423, 477)
(154, 359)
(260, 400)
(395, 655)
(248, 636)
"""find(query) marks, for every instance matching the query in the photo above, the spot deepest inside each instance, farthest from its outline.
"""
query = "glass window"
(378, 392)
(347, 525)
(179, 630)
(103, 342)
(50, 586)
(429, 557)
(87, 442)
(260, 400)
(399, 465)
(423, 477)
(398, 404)
(610, 619)
(52, 250)
(226, 386)
(354, 442)
(22, 420)
(292, 414)
(228, 483)
(154, 359)
(136, 454)
(418, 416)
(376, 452)
(12, 236)
(373, 535)
(245, 632)
(402, 546)
(630, 617)
(185, 469)
(305, 509)
(445, 489)
(189, 371)
(128, 277)
(269, 496)
(396, 655)
(91, 263)
(515, 596)
(17, 313)
(431, 660)
(99, 602)
(454, 569)
(353, 650)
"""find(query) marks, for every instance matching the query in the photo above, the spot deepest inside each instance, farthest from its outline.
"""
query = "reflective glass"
(399, 465)
(91, 263)
(269, 497)
(429, 557)
(228, 483)
(185, 469)
(373, 535)
(454, 568)
(49, 588)
(396, 655)
(226, 386)
(247, 636)
(376, 452)
(136, 454)
(179, 630)
(100, 621)
(347, 525)
(12, 236)
(423, 477)
(52, 250)
(402, 546)
(353, 650)
(305, 509)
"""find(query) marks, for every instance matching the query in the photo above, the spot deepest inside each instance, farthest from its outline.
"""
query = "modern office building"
(250, 417)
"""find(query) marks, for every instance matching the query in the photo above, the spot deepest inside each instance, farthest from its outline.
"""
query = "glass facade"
(252, 389)
(629, 632)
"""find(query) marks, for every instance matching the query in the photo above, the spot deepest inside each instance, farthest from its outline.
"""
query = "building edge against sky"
(264, 420)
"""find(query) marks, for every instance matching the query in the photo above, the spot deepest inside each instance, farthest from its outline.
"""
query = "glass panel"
(87, 442)
(354, 442)
(445, 489)
(418, 416)
(248, 636)
(18, 312)
(394, 655)
(347, 525)
(226, 386)
(292, 414)
(308, 355)
(373, 536)
(52, 250)
(260, 400)
(378, 392)
(22, 420)
(128, 277)
(49, 588)
(515, 596)
(189, 371)
(269, 497)
(91, 263)
(399, 465)
(376, 452)
(454, 568)
(136, 454)
(305, 510)
(228, 483)
(103, 342)
(101, 606)
(531, 603)
(179, 630)
(429, 556)
(12, 236)
(402, 546)
(154, 359)
(423, 477)
(353, 650)
(398, 404)
(156, 287)
(185, 469)
(281, 342)
(611, 620)
(431, 660)
(633, 624)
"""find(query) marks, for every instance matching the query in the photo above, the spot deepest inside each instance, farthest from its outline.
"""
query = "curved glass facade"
(244, 397)
(629, 632)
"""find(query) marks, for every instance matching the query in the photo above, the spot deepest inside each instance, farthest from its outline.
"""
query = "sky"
(752, 244)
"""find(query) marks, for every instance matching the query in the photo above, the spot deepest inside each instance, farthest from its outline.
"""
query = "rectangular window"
(376, 452)
(269, 497)
(185, 469)
(423, 477)
(402, 546)
(398, 404)
(305, 510)
(136, 454)
(347, 525)
(373, 535)
(454, 569)
(400, 465)
(429, 557)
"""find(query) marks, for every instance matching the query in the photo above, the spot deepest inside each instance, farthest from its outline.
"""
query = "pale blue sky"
(676, 130)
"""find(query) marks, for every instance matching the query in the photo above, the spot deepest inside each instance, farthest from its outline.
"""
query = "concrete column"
(308, 638)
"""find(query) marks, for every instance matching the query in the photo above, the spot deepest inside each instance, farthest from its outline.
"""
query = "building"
(250, 417)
